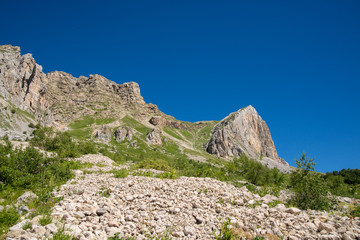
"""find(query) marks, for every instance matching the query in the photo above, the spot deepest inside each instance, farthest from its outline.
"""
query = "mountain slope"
(83, 105)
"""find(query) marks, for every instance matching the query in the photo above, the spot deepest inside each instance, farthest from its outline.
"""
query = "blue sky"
(296, 62)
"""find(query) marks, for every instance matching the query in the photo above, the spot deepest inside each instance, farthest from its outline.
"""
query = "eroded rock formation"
(154, 137)
(22, 80)
(243, 132)
(104, 134)
(123, 133)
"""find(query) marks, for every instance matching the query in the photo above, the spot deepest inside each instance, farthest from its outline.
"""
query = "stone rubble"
(184, 208)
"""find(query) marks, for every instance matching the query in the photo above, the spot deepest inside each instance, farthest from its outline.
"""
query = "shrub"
(310, 189)
(61, 143)
(157, 164)
(355, 212)
(8, 217)
(169, 175)
(254, 172)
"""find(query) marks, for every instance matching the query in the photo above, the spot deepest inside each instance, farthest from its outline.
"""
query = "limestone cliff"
(22, 81)
(57, 98)
(243, 132)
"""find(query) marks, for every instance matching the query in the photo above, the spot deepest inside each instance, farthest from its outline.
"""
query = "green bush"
(173, 174)
(28, 169)
(157, 164)
(310, 189)
(254, 172)
(8, 217)
(343, 183)
(355, 212)
(61, 143)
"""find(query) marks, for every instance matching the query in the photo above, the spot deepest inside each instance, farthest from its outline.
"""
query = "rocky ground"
(97, 206)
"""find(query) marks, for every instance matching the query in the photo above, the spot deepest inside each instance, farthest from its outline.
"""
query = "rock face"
(104, 134)
(72, 98)
(154, 137)
(123, 133)
(22, 80)
(243, 132)
(57, 98)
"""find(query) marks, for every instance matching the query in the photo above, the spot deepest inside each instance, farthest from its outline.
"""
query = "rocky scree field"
(96, 205)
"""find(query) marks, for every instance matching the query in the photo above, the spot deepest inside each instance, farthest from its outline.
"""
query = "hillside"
(87, 158)
(84, 106)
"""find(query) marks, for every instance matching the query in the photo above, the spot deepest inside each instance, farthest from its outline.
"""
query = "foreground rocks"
(97, 206)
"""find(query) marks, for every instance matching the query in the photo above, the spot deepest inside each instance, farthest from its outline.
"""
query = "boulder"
(27, 196)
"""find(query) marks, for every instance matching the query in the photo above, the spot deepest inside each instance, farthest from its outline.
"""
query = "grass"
(172, 132)
(104, 192)
(45, 220)
(102, 121)
(8, 217)
(81, 134)
(82, 123)
(131, 122)
(27, 226)
(61, 235)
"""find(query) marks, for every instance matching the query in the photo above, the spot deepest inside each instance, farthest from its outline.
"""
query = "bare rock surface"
(154, 137)
(244, 132)
(104, 134)
(162, 122)
(22, 80)
(123, 133)
(184, 208)
(57, 97)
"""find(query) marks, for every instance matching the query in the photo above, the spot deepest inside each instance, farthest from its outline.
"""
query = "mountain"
(96, 108)
(245, 132)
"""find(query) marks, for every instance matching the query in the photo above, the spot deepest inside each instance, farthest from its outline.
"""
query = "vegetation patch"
(82, 123)
(131, 122)
(102, 121)
(172, 132)
(29, 170)
(122, 173)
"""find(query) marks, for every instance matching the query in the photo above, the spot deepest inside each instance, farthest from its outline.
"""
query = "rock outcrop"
(22, 80)
(57, 98)
(104, 134)
(123, 133)
(243, 132)
(154, 137)
(162, 122)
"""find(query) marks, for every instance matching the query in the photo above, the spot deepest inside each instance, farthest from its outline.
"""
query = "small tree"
(310, 189)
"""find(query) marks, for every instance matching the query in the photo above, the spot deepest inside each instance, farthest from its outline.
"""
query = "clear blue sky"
(296, 62)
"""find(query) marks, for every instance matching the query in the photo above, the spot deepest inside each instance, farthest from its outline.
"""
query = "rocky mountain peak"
(245, 132)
